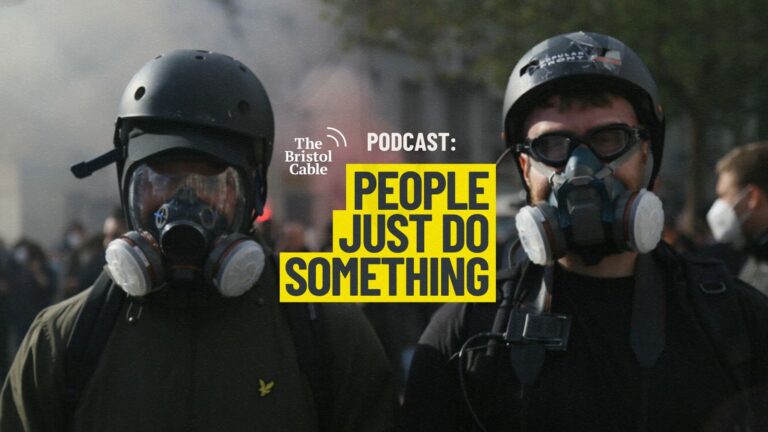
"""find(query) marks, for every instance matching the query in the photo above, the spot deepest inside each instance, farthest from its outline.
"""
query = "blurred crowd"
(32, 278)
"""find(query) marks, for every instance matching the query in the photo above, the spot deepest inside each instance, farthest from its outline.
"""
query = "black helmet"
(200, 88)
(197, 101)
(583, 58)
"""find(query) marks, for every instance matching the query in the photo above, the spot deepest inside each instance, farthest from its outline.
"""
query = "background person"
(739, 216)
(31, 286)
(87, 261)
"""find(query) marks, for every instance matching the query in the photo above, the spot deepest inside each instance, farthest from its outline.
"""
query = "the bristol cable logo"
(310, 157)
(333, 137)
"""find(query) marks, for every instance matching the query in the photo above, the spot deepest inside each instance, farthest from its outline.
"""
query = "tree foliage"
(708, 56)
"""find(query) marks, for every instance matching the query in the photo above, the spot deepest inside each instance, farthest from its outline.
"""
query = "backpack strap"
(523, 318)
(313, 351)
(515, 264)
(718, 308)
(89, 336)
(716, 303)
(647, 336)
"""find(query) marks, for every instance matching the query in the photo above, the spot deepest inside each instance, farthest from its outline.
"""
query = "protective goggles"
(606, 142)
(216, 185)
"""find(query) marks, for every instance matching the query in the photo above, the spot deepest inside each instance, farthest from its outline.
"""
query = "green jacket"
(195, 361)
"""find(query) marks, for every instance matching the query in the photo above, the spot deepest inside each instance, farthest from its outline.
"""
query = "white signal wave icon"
(336, 140)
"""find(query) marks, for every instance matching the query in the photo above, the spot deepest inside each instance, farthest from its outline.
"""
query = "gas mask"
(184, 214)
(589, 211)
(725, 224)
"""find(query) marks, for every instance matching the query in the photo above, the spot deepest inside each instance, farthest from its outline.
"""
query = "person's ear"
(525, 168)
(644, 150)
(756, 197)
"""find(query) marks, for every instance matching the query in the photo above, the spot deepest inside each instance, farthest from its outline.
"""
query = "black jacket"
(596, 384)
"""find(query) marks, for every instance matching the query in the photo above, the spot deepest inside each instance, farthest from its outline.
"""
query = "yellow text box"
(409, 233)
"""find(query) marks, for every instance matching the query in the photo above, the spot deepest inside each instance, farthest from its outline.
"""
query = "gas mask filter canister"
(135, 263)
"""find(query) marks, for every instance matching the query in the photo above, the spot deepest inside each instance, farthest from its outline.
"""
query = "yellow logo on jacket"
(265, 388)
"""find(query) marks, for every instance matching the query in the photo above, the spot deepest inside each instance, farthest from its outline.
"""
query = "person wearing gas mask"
(184, 331)
(598, 325)
(739, 216)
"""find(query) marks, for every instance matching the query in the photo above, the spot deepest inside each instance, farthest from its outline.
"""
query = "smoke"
(4, 3)
(64, 66)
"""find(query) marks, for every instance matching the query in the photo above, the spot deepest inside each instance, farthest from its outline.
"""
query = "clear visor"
(217, 185)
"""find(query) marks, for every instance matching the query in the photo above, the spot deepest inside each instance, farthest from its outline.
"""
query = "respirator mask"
(589, 211)
(725, 223)
(185, 214)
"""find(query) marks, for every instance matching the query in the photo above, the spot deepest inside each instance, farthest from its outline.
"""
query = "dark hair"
(748, 164)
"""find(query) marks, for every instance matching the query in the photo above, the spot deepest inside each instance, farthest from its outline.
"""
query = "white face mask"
(21, 255)
(725, 224)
